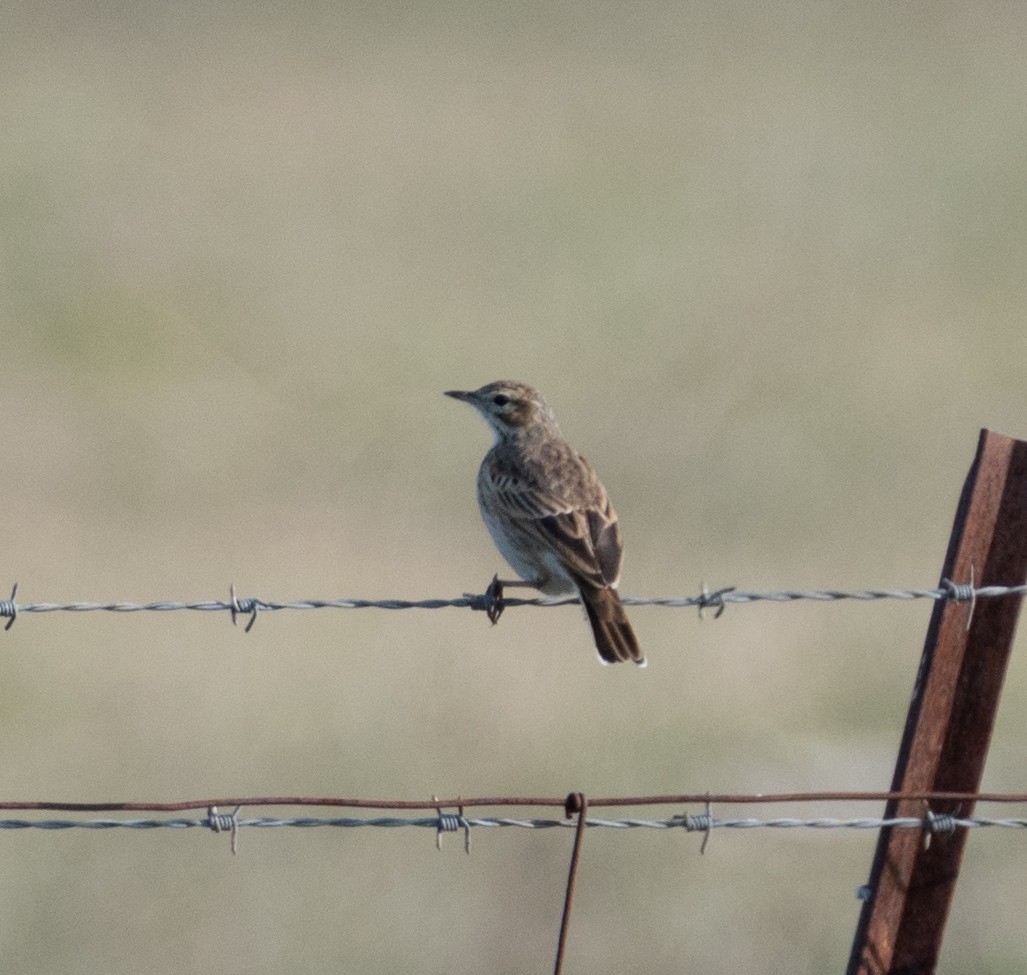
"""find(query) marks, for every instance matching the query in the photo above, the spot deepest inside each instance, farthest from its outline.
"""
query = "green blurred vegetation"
(766, 263)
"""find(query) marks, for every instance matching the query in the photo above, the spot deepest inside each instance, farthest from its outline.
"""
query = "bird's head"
(510, 408)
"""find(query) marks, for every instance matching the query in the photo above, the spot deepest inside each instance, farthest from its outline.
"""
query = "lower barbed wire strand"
(432, 822)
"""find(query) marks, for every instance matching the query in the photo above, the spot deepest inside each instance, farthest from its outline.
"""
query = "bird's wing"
(589, 543)
(585, 535)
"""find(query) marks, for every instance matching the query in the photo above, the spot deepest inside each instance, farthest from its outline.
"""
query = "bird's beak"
(460, 395)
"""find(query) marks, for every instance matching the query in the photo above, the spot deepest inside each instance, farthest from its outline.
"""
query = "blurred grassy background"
(767, 263)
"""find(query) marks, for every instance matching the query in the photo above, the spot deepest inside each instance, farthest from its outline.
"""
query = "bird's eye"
(500, 399)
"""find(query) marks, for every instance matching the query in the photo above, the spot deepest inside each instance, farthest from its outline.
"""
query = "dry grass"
(768, 266)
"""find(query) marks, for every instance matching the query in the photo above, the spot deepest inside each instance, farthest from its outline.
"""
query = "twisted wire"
(251, 606)
(699, 823)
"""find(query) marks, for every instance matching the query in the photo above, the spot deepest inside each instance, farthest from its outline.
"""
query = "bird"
(549, 515)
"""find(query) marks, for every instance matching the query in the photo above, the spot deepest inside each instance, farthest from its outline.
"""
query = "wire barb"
(958, 592)
(9, 608)
(242, 606)
(962, 593)
(225, 823)
(450, 823)
(715, 600)
(937, 823)
(702, 823)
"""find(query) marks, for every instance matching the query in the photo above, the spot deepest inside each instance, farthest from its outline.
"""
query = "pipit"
(548, 514)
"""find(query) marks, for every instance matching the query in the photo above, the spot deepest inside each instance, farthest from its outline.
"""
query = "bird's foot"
(494, 600)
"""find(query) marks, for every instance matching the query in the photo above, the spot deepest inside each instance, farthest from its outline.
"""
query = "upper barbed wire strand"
(717, 599)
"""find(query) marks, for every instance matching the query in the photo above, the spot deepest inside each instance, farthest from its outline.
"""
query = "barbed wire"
(702, 823)
(442, 821)
(930, 824)
(717, 600)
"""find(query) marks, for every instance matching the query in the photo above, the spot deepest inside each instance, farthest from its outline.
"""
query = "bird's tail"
(615, 640)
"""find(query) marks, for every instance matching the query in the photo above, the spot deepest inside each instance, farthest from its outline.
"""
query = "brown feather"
(615, 640)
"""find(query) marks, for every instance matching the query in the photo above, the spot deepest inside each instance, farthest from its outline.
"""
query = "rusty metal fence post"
(951, 717)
